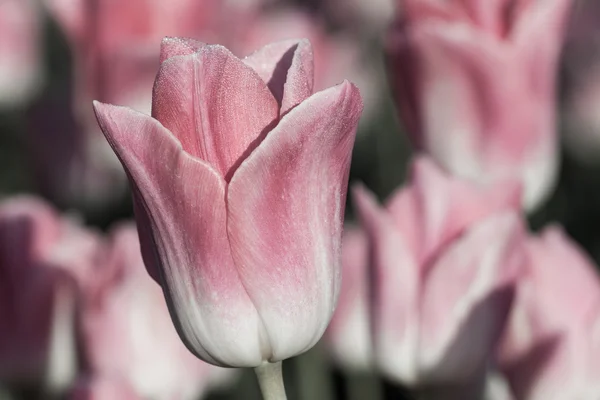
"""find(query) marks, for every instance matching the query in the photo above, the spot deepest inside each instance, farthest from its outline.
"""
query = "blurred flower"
(115, 52)
(102, 388)
(127, 332)
(361, 17)
(475, 85)
(41, 258)
(348, 334)
(21, 62)
(239, 187)
(552, 347)
(582, 82)
(445, 255)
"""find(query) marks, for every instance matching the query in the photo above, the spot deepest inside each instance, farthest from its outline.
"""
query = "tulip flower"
(445, 255)
(239, 181)
(127, 332)
(475, 86)
(551, 349)
(21, 64)
(41, 258)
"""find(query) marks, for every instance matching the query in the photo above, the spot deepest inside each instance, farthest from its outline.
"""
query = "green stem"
(270, 380)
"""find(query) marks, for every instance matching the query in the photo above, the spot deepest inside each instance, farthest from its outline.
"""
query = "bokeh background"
(51, 147)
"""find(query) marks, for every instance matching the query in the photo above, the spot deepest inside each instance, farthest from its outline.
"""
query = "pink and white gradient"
(475, 86)
(445, 256)
(42, 257)
(239, 181)
(552, 347)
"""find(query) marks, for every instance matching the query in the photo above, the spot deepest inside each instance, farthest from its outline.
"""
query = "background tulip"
(445, 256)
(21, 69)
(41, 258)
(551, 350)
(349, 334)
(446, 59)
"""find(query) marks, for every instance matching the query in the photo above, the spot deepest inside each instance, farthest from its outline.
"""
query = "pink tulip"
(239, 186)
(127, 332)
(21, 67)
(41, 258)
(348, 334)
(475, 85)
(445, 255)
(552, 347)
(102, 388)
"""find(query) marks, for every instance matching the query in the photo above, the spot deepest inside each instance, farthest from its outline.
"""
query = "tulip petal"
(467, 297)
(176, 46)
(287, 69)
(217, 106)
(285, 206)
(396, 282)
(208, 303)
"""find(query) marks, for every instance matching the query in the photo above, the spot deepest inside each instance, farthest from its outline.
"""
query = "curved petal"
(183, 201)
(285, 206)
(467, 297)
(217, 106)
(395, 290)
(287, 68)
(177, 46)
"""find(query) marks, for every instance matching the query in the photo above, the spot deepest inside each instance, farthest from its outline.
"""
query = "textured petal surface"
(175, 46)
(467, 297)
(395, 288)
(285, 208)
(217, 106)
(287, 69)
(207, 300)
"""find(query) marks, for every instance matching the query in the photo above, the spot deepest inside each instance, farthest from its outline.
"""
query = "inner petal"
(217, 107)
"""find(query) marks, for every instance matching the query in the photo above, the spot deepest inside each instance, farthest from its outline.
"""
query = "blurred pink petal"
(551, 349)
(41, 258)
(442, 285)
(349, 334)
(127, 331)
(446, 58)
(21, 61)
(239, 209)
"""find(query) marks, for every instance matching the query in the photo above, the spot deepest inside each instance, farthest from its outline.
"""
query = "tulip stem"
(270, 380)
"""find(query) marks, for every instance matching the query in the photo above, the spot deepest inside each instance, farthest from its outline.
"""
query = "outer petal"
(437, 207)
(208, 303)
(287, 69)
(395, 288)
(467, 297)
(214, 104)
(285, 207)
